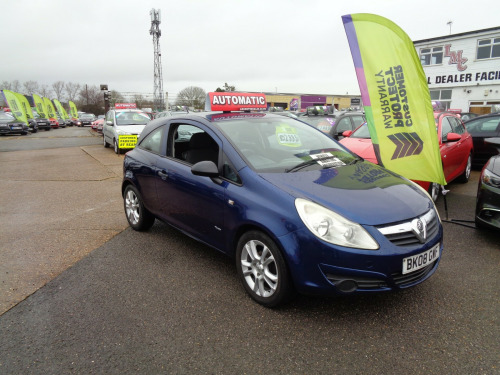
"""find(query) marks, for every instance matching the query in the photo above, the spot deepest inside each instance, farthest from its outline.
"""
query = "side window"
(192, 144)
(431, 56)
(344, 124)
(483, 125)
(457, 126)
(445, 128)
(228, 170)
(153, 141)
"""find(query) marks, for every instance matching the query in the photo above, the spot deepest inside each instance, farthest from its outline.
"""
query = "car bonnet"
(364, 193)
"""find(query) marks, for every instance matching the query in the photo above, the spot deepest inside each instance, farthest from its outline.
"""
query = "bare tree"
(58, 88)
(116, 97)
(72, 90)
(139, 100)
(91, 99)
(45, 91)
(225, 88)
(191, 96)
(6, 85)
(30, 87)
(15, 85)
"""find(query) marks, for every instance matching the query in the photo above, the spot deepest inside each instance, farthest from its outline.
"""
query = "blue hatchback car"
(296, 210)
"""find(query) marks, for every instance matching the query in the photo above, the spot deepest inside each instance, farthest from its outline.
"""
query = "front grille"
(410, 278)
(410, 233)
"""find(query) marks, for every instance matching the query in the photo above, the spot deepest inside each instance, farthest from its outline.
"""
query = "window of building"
(488, 48)
(441, 99)
(431, 56)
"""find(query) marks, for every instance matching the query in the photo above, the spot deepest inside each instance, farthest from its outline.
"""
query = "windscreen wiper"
(302, 165)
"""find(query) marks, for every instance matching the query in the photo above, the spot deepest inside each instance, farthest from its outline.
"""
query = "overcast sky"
(255, 45)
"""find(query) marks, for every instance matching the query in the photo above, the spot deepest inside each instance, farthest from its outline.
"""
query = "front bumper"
(488, 206)
(318, 267)
(9, 129)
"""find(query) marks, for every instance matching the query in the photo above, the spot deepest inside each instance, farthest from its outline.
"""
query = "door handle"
(163, 175)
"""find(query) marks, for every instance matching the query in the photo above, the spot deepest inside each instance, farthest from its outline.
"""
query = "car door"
(194, 204)
(481, 128)
(464, 146)
(107, 127)
(449, 149)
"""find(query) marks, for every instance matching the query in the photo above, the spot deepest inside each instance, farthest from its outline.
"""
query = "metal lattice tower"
(159, 103)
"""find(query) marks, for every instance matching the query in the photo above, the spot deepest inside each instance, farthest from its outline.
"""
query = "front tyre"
(262, 270)
(117, 149)
(138, 217)
(434, 191)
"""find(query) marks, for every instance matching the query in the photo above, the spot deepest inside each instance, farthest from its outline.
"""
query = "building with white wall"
(463, 70)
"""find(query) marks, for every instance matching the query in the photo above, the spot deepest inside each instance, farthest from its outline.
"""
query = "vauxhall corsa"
(296, 210)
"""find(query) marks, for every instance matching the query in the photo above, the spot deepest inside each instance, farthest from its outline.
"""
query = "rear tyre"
(138, 217)
(262, 270)
(464, 177)
(106, 144)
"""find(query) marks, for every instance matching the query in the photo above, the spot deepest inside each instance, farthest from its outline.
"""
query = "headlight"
(121, 132)
(491, 179)
(332, 227)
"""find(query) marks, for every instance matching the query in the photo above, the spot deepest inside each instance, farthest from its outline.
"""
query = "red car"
(97, 125)
(455, 145)
(54, 124)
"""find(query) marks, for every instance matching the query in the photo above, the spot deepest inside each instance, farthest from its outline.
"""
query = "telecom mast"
(159, 103)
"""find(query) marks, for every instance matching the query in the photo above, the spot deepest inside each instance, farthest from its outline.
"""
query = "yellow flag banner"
(25, 104)
(15, 105)
(395, 97)
(51, 111)
(73, 110)
(60, 109)
(41, 108)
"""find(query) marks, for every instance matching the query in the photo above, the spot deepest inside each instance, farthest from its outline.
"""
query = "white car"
(122, 128)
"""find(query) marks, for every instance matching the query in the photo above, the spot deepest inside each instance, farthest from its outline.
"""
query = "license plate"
(16, 127)
(421, 260)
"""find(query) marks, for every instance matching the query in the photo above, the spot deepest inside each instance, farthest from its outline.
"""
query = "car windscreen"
(132, 118)
(361, 132)
(281, 144)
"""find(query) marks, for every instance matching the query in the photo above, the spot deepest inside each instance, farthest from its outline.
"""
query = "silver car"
(122, 128)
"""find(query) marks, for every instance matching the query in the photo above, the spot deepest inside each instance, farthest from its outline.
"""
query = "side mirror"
(206, 168)
(110, 123)
(453, 137)
(347, 133)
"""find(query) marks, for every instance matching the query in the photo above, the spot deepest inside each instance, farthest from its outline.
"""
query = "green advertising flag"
(15, 105)
(73, 110)
(60, 109)
(51, 111)
(41, 108)
(396, 97)
(25, 104)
